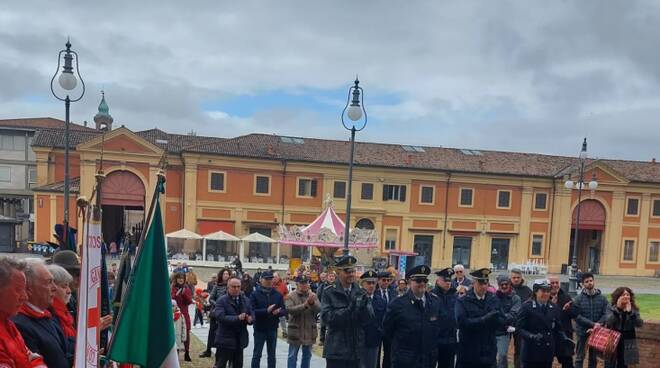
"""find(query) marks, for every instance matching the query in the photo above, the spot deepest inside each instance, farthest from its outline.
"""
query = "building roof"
(40, 123)
(58, 187)
(274, 147)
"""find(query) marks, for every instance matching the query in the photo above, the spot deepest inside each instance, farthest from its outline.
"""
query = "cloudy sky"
(531, 76)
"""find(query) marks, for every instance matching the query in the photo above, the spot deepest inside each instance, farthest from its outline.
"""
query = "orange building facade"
(477, 208)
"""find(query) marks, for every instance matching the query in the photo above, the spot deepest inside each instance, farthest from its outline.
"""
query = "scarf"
(32, 313)
(58, 308)
(13, 346)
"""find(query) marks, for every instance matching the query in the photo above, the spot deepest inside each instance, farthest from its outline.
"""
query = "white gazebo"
(182, 234)
(258, 238)
(220, 236)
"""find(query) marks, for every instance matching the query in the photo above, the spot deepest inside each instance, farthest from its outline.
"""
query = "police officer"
(479, 316)
(539, 325)
(447, 297)
(383, 296)
(373, 328)
(413, 323)
(343, 310)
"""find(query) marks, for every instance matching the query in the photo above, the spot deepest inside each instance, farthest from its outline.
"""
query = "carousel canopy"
(221, 235)
(327, 230)
(184, 234)
(258, 238)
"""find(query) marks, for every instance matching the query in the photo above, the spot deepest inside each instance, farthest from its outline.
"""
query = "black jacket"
(260, 300)
(447, 315)
(373, 329)
(588, 310)
(231, 333)
(414, 328)
(478, 320)
(510, 304)
(45, 337)
(540, 329)
(565, 317)
(344, 315)
(523, 291)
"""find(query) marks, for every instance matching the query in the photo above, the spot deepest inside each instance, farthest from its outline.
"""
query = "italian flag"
(144, 334)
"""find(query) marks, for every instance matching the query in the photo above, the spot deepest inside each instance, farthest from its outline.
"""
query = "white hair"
(459, 267)
(60, 275)
(31, 266)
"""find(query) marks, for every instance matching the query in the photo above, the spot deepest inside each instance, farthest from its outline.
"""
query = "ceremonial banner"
(89, 298)
(144, 333)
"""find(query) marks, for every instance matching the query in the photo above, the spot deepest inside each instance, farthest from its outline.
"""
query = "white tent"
(182, 234)
(257, 238)
(218, 235)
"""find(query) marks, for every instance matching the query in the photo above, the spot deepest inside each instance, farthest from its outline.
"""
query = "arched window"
(365, 224)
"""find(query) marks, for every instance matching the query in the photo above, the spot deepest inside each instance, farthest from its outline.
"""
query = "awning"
(258, 238)
(221, 235)
(184, 234)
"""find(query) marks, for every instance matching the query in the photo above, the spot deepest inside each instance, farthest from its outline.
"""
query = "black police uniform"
(344, 313)
(540, 327)
(413, 326)
(447, 338)
(478, 320)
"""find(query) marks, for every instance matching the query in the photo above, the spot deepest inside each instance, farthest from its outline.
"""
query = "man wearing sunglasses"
(459, 277)
(479, 316)
(344, 307)
(412, 322)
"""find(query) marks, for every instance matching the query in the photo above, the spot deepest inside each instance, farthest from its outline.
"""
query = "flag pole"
(160, 188)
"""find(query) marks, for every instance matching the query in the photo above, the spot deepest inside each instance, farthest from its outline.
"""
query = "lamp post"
(580, 185)
(67, 82)
(357, 115)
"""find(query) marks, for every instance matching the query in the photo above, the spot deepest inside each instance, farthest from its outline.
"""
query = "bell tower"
(103, 119)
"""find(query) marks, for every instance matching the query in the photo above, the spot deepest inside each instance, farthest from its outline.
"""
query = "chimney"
(85, 123)
(653, 160)
(270, 150)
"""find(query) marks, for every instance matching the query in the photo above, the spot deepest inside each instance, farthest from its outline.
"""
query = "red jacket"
(281, 287)
(183, 297)
(13, 352)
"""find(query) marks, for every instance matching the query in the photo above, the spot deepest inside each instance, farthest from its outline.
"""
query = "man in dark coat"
(563, 302)
(479, 316)
(233, 313)
(510, 303)
(447, 298)
(343, 309)
(589, 309)
(384, 295)
(40, 330)
(538, 325)
(373, 328)
(331, 278)
(413, 322)
(268, 306)
(460, 278)
(524, 292)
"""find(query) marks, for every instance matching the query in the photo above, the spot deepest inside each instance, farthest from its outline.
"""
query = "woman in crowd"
(62, 279)
(461, 290)
(219, 290)
(623, 316)
(247, 285)
(183, 295)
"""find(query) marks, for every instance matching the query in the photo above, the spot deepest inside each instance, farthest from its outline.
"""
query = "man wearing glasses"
(479, 316)
(413, 323)
(459, 277)
(447, 297)
(344, 308)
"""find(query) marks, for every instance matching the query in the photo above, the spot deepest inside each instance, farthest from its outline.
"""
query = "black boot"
(205, 354)
(186, 357)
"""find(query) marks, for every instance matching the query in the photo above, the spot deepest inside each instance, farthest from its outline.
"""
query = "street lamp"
(357, 115)
(67, 81)
(580, 185)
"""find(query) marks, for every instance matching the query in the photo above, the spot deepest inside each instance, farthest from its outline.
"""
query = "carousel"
(326, 234)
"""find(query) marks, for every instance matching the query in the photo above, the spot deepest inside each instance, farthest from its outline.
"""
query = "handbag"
(604, 340)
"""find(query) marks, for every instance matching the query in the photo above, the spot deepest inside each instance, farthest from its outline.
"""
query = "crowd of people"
(378, 319)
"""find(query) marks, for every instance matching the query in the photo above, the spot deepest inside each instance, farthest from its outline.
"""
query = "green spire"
(103, 106)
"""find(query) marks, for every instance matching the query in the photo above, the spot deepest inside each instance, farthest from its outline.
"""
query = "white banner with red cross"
(89, 297)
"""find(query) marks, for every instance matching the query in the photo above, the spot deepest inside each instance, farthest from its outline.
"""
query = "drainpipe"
(444, 234)
(284, 164)
(552, 211)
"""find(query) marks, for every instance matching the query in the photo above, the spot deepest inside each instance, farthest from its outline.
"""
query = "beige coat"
(302, 318)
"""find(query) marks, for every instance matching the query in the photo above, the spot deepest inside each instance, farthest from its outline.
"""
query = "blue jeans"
(293, 356)
(261, 337)
(502, 351)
